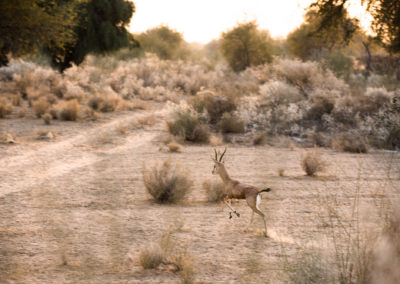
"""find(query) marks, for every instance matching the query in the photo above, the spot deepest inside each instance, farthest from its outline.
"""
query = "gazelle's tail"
(265, 190)
(258, 200)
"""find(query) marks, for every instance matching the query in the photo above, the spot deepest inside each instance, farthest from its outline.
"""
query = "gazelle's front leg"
(233, 210)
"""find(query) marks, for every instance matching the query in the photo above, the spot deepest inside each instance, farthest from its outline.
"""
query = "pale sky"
(202, 21)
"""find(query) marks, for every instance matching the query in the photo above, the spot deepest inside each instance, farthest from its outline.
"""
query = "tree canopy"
(27, 24)
(245, 46)
(101, 26)
(164, 42)
(386, 19)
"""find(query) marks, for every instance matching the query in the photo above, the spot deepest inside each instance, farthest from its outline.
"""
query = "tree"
(386, 19)
(311, 41)
(245, 46)
(101, 27)
(164, 42)
(27, 24)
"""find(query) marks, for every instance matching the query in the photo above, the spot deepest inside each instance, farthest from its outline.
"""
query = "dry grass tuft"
(311, 163)
(167, 183)
(174, 147)
(281, 172)
(215, 190)
(151, 257)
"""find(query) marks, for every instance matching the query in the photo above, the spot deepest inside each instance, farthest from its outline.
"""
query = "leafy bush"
(167, 183)
(188, 124)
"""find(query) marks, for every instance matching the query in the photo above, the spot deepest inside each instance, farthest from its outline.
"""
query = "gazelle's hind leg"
(253, 201)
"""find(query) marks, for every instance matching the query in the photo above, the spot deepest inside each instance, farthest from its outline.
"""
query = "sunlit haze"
(202, 21)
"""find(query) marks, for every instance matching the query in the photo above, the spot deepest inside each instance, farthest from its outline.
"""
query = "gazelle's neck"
(224, 174)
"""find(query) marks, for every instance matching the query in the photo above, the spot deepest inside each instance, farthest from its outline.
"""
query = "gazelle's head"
(218, 162)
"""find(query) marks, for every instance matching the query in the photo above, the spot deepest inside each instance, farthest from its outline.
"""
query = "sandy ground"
(75, 210)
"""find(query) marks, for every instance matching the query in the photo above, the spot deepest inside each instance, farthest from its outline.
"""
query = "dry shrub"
(320, 106)
(107, 103)
(5, 107)
(167, 183)
(121, 129)
(311, 163)
(260, 139)
(188, 124)
(319, 139)
(47, 117)
(16, 100)
(214, 105)
(40, 106)
(174, 147)
(216, 140)
(68, 110)
(309, 267)
(151, 257)
(7, 138)
(23, 112)
(215, 190)
(350, 142)
(168, 255)
(231, 123)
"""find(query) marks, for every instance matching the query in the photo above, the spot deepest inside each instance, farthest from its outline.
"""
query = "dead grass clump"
(45, 135)
(174, 147)
(215, 190)
(151, 257)
(350, 142)
(231, 123)
(312, 163)
(5, 107)
(69, 110)
(281, 172)
(16, 100)
(167, 183)
(187, 124)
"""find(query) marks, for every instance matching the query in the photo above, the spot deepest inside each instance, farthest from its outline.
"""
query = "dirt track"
(74, 210)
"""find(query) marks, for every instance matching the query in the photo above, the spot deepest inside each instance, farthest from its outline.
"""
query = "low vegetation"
(166, 182)
(215, 190)
(312, 163)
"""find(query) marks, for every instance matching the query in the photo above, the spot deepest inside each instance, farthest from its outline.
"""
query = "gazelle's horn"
(216, 155)
(220, 158)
